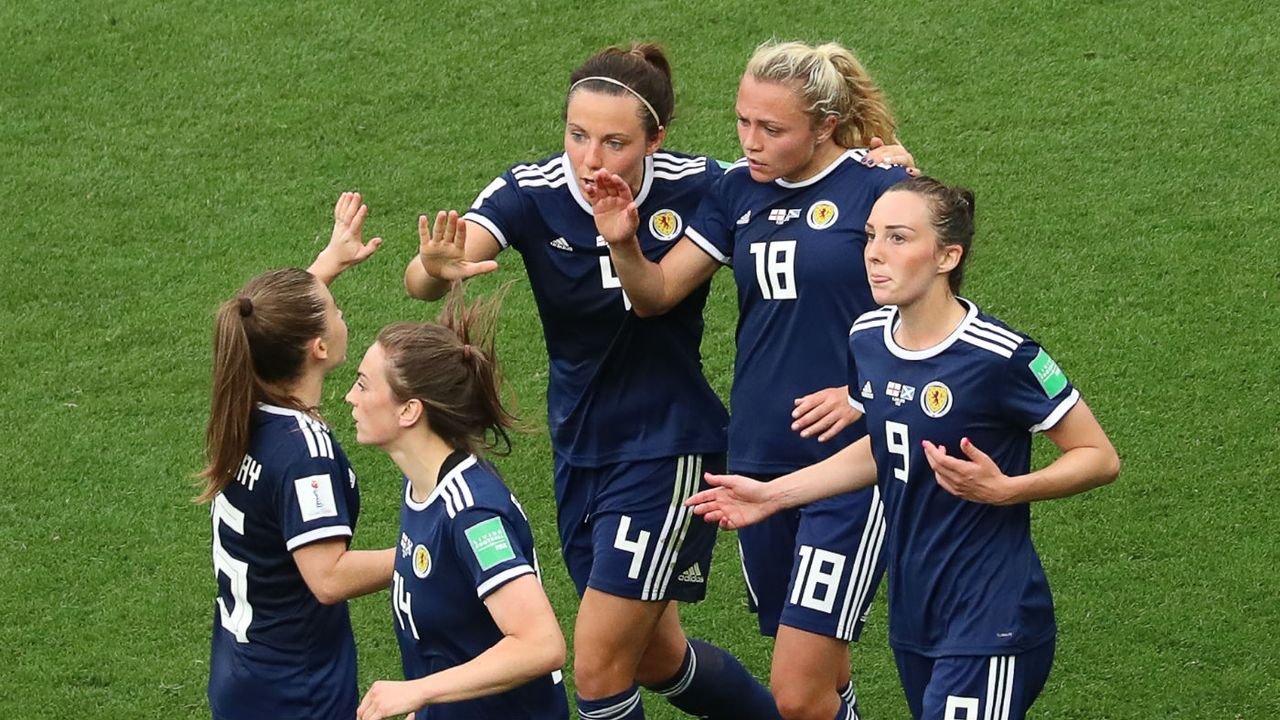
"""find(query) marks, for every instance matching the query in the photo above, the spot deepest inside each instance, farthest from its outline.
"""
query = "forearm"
(1075, 471)
(512, 662)
(352, 573)
(422, 285)
(643, 280)
(853, 468)
(325, 268)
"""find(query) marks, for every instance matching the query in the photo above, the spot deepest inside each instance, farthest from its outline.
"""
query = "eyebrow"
(897, 227)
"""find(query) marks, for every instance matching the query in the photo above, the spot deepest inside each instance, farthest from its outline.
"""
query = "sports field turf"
(156, 155)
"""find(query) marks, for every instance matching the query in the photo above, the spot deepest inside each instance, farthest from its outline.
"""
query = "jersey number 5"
(237, 620)
(776, 269)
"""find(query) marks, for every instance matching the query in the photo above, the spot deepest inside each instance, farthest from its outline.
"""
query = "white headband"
(624, 86)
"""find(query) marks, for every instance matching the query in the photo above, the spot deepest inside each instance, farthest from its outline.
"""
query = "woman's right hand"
(734, 502)
(614, 208)
(442, 248)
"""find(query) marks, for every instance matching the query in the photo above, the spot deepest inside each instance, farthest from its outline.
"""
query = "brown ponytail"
(451, 367)
(259, 343)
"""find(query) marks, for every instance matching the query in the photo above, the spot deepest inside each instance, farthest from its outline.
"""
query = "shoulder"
(290, 436)
(992, 336)
(545, 174)
(474, 486)
(872, 319)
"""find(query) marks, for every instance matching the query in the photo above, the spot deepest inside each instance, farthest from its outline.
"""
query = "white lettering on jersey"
(249, 472)
(238, 619)
(776, 269)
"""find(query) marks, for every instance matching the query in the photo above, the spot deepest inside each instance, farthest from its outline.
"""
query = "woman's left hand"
(977, 479)
(346, 246)
(823, 413)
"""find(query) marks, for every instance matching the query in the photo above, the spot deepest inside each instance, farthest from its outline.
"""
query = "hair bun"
(246, 306)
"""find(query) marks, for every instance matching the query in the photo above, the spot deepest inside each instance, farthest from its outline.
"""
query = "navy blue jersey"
(796, 251)
(964, 578)
(621, 387)
(277, 651)
(469, 538)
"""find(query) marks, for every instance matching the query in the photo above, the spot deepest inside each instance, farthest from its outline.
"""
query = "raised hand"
(734, 502)
(823, 413)
(614, 208)
(977, 479)
(881, 154)
(442, 248)
(346, 246)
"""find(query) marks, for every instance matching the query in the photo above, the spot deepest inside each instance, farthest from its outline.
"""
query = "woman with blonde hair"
(788, 218)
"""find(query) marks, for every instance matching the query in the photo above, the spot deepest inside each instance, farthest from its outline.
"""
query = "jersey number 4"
(776, 269)
(236, 620)
(609, 279)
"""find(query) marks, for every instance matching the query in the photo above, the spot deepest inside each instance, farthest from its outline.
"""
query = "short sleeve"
(854, 386)
(489, 549)
(500, 209)
(710, 229)
(314, 502)
(1035, 393)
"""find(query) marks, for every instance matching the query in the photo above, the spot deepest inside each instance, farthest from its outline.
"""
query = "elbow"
(649, 309)
(328, 595)
(1111, 469)
(554, 654)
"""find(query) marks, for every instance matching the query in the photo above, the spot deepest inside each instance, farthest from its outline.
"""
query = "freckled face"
(777, 136)
(605, 132)
(902, 255)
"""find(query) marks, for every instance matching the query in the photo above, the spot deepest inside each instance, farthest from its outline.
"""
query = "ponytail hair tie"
(466, 352)
(246, 306)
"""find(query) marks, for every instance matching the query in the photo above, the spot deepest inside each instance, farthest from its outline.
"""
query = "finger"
(875, 142)
(369, 248)
(479, 268)
(839, 425)
(914, 172)
(817, 421)
(340, 206)
(703, 496)
(437, 228)
(424, 233)
(461, 232)
(973, 452)
(805, 404)
(358, 219)
(719, 480)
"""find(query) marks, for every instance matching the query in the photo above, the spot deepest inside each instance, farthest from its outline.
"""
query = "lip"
(877, 279)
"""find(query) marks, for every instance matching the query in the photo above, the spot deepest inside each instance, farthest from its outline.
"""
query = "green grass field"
(156, 155)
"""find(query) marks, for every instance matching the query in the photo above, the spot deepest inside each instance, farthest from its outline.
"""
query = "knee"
(801, 703)
(662, 658)
(600, 674)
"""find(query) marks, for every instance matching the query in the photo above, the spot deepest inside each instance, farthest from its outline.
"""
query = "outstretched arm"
(346, 246)
(1088, 460)
(449, 249)
(532, 645)
(737, 501)
(654, 288)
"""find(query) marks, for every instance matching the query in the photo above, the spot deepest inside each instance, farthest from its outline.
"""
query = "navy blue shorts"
(816, 568)
(971, 687)
(624, 529)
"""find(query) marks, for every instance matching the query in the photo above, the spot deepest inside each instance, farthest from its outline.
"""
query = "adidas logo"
(746, 218)
(692, 575)
(561, 244)
(866, 391)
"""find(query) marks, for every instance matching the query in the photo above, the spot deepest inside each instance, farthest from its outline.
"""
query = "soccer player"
(788, 218)
(951, 398)
(478, 638)
(633, 421)
(283, 497)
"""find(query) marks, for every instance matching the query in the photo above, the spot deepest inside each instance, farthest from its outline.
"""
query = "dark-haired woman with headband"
(633, 422)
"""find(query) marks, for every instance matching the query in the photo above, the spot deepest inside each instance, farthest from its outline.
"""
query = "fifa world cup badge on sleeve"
(489, 542)
(1047, 372)
(315, 497)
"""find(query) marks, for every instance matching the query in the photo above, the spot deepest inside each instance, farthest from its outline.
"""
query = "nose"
(593, 157)
(749, 138)
(872, 252)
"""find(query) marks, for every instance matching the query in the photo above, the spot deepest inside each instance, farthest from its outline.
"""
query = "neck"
(420, 454)
(929, 319)
(823, 155)
(307, 390)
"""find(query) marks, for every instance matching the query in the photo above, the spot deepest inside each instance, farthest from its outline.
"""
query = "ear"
(826, 128)
(318, 349)
(411, 412)
(950, 260)
(651, 146)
